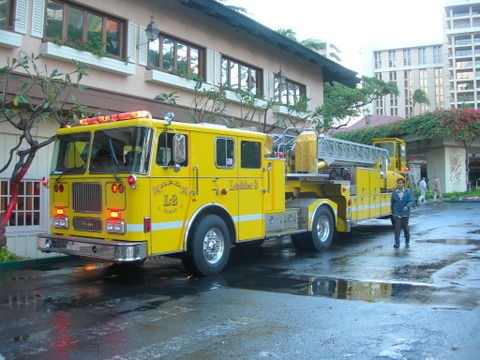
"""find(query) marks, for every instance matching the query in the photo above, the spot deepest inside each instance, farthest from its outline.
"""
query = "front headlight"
(60, 223)
(115, 227)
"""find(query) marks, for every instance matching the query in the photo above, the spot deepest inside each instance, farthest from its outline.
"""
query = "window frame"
(257, 152)
(10, 15)
(422, 55)
(176, 42)
(169, 138)
(81, 44)
(227, 83)
(287, 84)
(34, 199)
(392, 58)
(378, 59)
(228, 140)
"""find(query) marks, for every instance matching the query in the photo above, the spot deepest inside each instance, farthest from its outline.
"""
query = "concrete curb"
(464, 200)
(22, 264)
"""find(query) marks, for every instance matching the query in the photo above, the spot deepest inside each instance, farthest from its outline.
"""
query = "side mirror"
(179, 148)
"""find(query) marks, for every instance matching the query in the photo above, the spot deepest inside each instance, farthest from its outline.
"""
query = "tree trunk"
(3, 238)
(14, 184)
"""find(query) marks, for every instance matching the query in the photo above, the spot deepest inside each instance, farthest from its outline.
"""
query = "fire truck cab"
(126, 187)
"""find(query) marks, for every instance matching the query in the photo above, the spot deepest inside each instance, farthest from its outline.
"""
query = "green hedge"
(463, 124)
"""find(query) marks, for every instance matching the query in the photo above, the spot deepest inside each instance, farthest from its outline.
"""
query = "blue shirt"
(399, 201)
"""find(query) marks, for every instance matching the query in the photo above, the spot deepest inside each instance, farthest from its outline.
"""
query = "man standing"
(437, 191)
(422, 186)
(402, 201)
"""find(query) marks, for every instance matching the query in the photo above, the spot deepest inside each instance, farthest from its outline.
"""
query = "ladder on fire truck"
(337, 152)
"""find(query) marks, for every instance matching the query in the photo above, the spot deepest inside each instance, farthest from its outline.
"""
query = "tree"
(460, 124)
(463, 125)
(420, 97)
(311, 43)
(289, 33)
(342, 103)
(40, 95)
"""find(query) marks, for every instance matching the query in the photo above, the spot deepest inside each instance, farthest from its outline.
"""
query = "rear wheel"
(321, 236)
(208, 246)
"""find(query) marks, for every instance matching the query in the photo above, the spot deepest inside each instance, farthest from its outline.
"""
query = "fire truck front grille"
(87, 197)
(87, 224)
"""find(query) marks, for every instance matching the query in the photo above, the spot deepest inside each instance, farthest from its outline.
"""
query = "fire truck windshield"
(118, 150)
(71, 153)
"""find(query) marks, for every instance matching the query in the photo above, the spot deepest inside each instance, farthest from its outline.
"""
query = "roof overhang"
(331, 70)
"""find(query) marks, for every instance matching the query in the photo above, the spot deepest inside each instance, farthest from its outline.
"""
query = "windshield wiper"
(114, 159)
(70, 171)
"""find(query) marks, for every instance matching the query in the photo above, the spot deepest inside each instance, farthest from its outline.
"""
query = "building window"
(406, 57)
(85, 29)
(422, 56)
(392, 61)
(392, 75)
(6, 14)
(378, 59)
(175, 56)
(408, 86)
(224, 153)
(27, 211)
(239, 76)
(288, 92)
(393, 105)
(379, 106)
(437, 54)
(439, 97)
(423, 79)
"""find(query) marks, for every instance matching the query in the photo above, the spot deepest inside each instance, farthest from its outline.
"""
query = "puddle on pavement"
(370, 291)
(452, 241)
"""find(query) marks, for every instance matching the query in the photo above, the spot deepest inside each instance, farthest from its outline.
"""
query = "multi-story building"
(411, 67)
(331, 51)
(462, 38)
(187, 40)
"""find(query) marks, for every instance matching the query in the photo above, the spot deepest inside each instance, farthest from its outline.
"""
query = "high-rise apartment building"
(411, 67)
(462, 38)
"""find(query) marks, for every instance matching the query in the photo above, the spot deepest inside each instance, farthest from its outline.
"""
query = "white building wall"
(462, 41)
(22, 239)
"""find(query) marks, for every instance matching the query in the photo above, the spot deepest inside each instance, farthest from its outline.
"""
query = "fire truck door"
(250, 189)
(171, 191)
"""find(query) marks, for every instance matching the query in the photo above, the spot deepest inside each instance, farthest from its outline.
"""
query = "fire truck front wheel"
(208, 246)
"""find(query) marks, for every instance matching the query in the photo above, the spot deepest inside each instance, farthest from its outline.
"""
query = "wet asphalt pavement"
(362, 299)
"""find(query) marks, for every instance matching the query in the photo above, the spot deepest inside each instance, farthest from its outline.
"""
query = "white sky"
(354, 26)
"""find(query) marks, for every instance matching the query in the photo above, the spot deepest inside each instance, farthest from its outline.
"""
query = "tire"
(323, 230)
(208, 246)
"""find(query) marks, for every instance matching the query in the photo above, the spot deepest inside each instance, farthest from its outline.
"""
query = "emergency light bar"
(115, 117)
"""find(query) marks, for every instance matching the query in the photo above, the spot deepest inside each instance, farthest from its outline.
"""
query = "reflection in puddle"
(370, 291)
(452, 241)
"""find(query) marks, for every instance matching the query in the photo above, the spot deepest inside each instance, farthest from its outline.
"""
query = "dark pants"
(398, 224)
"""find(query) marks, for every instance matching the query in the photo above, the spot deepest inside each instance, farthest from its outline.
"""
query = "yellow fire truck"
(125, 187)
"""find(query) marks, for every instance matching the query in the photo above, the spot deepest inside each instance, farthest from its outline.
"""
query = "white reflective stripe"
(251, 217)
(167, 225)
(179, 224)
(134, 227)
(156, 226)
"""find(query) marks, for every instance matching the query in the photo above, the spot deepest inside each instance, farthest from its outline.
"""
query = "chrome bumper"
(120, 251)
